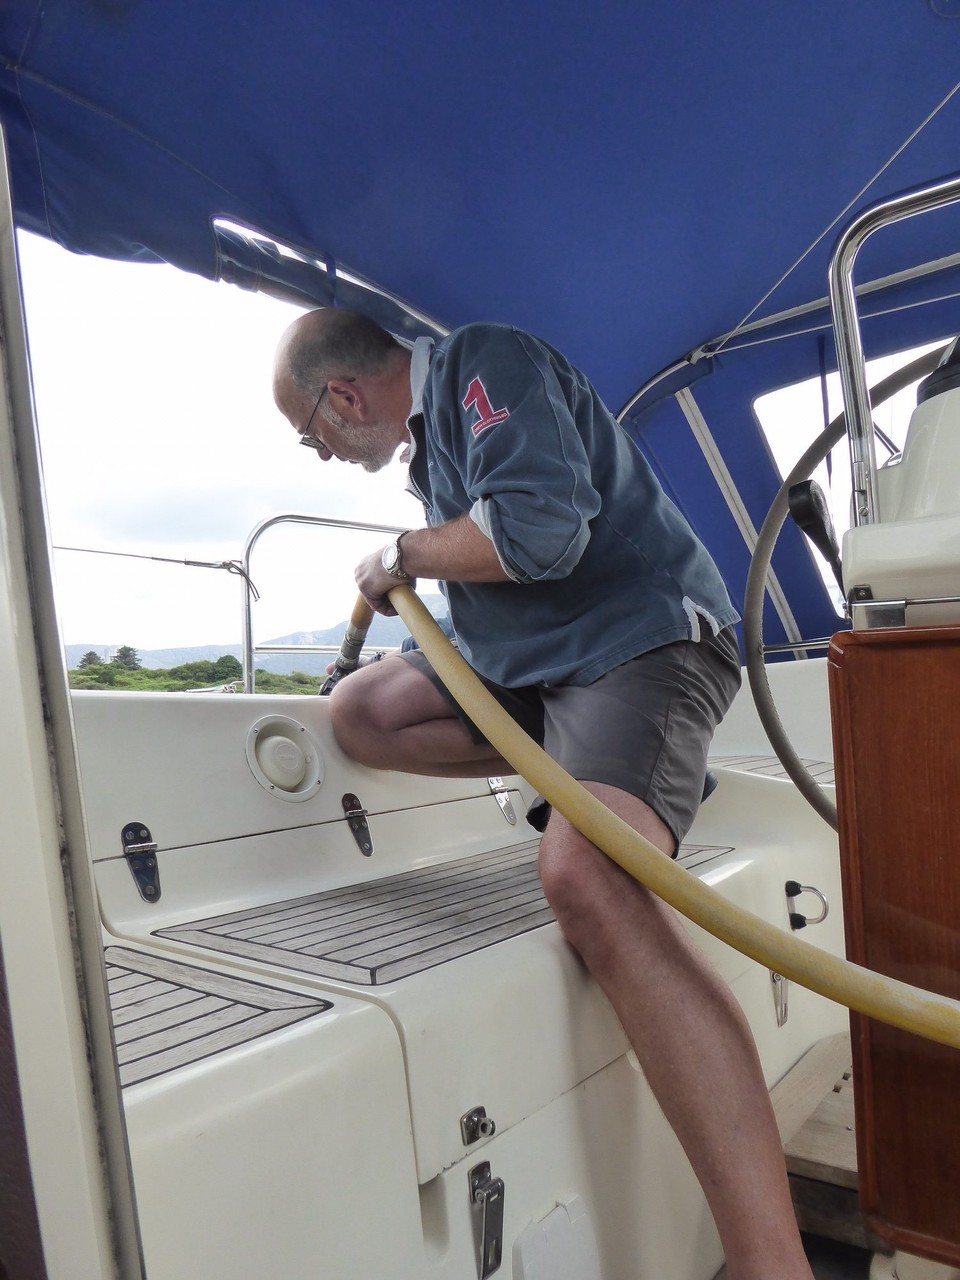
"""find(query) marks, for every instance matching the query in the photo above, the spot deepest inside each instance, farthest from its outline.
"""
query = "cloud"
(159, 435)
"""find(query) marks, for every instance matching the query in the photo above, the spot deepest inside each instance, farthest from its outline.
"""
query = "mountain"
(385, 633)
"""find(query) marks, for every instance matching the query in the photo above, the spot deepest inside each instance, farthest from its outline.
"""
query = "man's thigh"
(391, 694)
(646, 726)
(523, 705)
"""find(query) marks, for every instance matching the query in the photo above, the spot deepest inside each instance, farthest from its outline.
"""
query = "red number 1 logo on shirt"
(477, 398)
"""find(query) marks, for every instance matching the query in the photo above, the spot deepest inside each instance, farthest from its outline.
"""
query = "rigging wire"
(843, 212)
(231, 566)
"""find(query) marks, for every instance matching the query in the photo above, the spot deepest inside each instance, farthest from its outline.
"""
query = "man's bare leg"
(390, 716)
(678, 1014)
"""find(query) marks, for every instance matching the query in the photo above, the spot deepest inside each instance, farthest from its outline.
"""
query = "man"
(584, 600)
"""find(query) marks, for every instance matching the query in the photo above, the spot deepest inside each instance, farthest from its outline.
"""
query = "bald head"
(343, 383)
(326, 344)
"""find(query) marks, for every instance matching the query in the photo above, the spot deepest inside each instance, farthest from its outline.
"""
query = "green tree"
(274, 682)
(199, 672)
(89, 659)
(227, 667)
(102, 677)
(127, 658)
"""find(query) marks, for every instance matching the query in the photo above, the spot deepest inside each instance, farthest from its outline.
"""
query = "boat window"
(160, 439)
(793, 416)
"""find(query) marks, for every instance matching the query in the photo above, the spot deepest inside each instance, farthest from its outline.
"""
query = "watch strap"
(397, 570)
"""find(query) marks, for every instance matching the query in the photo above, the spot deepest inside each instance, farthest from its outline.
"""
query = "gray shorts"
(644, 727)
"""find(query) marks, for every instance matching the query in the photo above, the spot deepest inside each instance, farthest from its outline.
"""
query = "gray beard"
(374, 461)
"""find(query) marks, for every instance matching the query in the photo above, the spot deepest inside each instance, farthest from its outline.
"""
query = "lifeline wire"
(231, 566)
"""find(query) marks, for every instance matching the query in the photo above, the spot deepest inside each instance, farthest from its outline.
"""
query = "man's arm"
(458, 551)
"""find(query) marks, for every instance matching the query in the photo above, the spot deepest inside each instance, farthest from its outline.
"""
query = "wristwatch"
(392, 559)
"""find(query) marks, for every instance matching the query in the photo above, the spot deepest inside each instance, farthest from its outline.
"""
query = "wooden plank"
(894, 696)
(832, 1212)
(825, 1147)
(800, 1092)
(813, 1104)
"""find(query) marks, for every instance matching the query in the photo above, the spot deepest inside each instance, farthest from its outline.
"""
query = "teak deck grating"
(167, 1014)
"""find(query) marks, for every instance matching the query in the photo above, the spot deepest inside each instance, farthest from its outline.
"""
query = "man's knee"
(587, 891)
(561, 865)
(357, 706)
(372, 709)
(574, 874)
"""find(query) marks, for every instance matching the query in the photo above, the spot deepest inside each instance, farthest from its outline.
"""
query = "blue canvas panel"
(627, 180)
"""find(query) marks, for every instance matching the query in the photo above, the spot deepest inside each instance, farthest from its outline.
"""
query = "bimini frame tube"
(922, 1012)
(846, 325)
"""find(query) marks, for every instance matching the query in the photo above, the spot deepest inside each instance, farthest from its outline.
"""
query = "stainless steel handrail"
(287, 517)
(846, 324)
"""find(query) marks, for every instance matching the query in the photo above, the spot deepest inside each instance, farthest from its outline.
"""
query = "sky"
(159, 436)
(792, 417)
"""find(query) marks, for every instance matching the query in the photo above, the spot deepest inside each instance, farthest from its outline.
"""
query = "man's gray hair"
(348, 345)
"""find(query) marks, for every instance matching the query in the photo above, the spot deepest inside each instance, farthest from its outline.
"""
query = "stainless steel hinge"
(356, 817)
(502, 795)
(486, 1196)
(140, 851)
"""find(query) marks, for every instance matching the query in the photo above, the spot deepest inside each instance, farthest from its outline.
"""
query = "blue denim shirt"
(603, 566)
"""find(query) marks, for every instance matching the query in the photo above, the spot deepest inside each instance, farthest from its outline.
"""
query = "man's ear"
(348, 396)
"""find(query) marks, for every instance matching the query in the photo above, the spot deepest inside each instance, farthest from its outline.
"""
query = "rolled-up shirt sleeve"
(521, 459)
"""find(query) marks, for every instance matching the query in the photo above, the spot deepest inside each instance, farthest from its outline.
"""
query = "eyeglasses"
(311, 442)
(306, 439)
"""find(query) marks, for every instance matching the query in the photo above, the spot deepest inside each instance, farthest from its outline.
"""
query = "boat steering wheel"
(806, 784)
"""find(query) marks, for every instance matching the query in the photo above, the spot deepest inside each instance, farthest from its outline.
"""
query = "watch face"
(391, 557)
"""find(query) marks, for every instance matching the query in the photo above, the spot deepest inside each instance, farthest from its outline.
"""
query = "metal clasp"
(502, 796)
(486, 1195)
(356, 817)
(140, 851)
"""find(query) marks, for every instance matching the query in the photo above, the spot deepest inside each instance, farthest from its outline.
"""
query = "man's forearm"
(454, 552)
(458, 551)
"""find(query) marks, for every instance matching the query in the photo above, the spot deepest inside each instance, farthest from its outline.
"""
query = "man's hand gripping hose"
(910, 1008)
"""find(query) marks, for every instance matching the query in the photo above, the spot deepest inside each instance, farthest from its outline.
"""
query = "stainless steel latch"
(502, 796)
(781, 992)
(140, 851)
(486, 1195)
(356, 817)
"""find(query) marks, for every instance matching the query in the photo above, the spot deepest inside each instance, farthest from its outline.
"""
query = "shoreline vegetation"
(123, 672)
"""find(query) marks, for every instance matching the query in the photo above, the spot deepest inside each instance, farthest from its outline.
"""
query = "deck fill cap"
(281, 760)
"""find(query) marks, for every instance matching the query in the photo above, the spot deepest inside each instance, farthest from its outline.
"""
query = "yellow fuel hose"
(351, 646)
(924, 1013)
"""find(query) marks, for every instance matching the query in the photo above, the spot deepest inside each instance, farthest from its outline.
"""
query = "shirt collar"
(420, 357)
